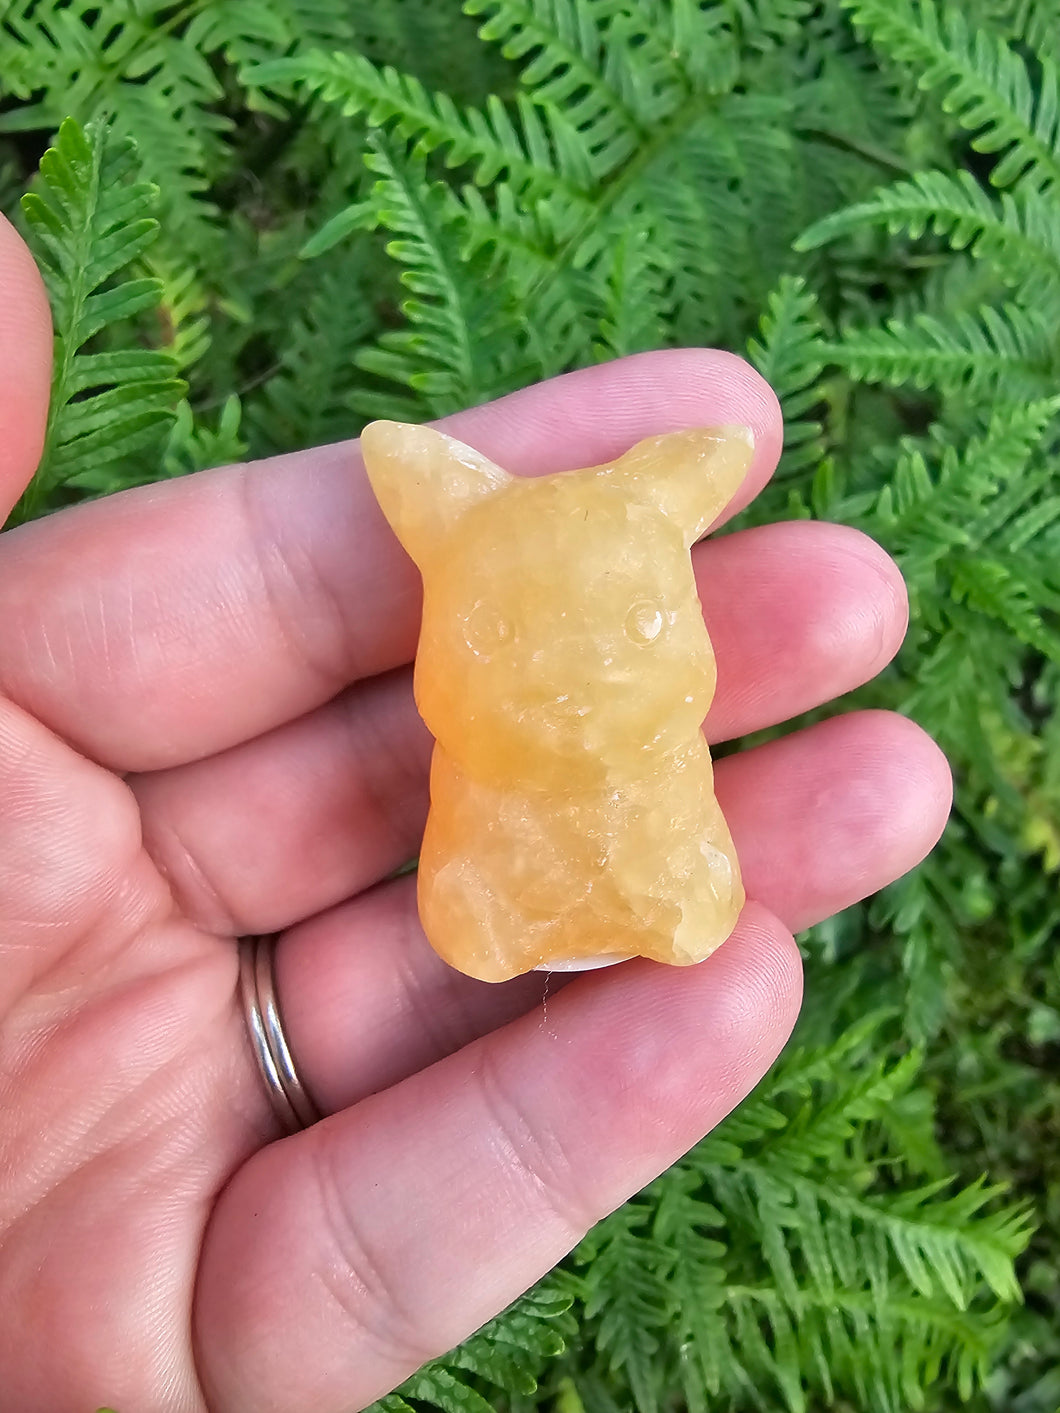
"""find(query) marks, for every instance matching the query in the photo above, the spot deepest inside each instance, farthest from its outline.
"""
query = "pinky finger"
(341, 1260)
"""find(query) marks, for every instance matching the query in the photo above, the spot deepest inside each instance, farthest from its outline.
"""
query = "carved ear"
(690, 476)
(424, 481)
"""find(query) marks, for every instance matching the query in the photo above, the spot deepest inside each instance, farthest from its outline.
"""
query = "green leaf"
(987, 84)
(90, 219)
(789, 354)
(530, 149)
(1001, 352)
(1017, 233)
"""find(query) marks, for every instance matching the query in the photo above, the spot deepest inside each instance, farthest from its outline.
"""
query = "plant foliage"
(261, 224)
(92, 221)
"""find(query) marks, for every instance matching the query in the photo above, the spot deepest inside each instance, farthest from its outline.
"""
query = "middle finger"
(275, 830)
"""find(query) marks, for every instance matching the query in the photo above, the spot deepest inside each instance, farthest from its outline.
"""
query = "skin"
(206, 729)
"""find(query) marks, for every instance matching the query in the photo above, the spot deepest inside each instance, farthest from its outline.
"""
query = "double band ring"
(257, 984)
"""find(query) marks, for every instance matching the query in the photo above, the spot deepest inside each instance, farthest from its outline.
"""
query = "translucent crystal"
(564, 670)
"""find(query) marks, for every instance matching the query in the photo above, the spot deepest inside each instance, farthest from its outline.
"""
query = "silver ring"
(257, 986)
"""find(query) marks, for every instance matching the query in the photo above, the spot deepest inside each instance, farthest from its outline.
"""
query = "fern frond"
(1006, 351)
(694, 46)
(766, 23)
(965, 530)
(539, 152)
(183, 313)
(886, 1358)
(1033, 23)
(169, 102)
(854, 106)
(90, 219)
(964, 499)
(617, 67)
(684, 197)
(1012, 463)
(987, 84)
(446, 1392)
(721, 168)
(855, 1284)
(58, 60)
(306, 401)
(946, 523)
(508, 1354)
(1013, 593)
(196, 445)
(10, 185)
(569, 60)
(771, 200)
(698, 1285)
(788, 354)
(636, 312)
(124, 63)
(519, 247)
(629, 1302)
(435, 41)
(252, 34)
(1018, 233)
(457, 350)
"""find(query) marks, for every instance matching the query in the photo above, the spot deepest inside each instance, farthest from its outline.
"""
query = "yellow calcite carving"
(564, 670)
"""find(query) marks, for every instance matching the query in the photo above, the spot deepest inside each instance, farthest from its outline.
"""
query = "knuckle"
(189, 880)
(430, 1020)
(310, 613)
(534, 1154)
(371, 1297)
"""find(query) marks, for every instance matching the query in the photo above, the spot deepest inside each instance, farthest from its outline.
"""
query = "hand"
(207, 730)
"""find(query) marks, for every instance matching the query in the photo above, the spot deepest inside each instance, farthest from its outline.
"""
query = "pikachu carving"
(564, 669)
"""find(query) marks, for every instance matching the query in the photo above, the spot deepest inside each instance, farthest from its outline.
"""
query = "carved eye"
(486, 629)
(644, 622)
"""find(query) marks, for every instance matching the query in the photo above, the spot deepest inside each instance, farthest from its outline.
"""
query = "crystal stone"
(564, 669)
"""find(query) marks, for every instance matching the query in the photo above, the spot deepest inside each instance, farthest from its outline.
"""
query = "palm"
(107, 1206)
(207, 730)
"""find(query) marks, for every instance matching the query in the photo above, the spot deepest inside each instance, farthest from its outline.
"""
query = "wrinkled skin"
(206, 730)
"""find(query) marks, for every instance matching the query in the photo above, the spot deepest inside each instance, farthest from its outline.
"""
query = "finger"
(398, 1227)
(25, 366)
(831, 814)
(295, 821)
(820, 819)
(180, 619)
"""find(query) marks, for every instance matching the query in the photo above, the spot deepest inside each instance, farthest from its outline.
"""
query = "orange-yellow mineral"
(564, 670)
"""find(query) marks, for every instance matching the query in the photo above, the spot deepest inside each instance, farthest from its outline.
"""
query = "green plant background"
(336, 209)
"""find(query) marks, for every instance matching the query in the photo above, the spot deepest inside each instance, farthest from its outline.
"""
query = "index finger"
(25, 366)
(176, 620)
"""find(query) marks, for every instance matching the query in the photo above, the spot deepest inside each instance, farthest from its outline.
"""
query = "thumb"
(25, 366)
